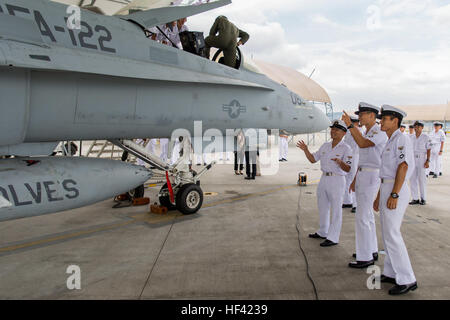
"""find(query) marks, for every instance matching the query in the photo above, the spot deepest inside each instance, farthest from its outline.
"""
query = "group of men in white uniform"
(151, 148)
(370, 169)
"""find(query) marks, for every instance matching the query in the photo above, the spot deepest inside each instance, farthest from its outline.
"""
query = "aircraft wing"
(158, 16)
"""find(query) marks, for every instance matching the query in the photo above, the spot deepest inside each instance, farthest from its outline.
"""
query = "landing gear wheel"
(138, 192)
(189, 199)
(165, 200)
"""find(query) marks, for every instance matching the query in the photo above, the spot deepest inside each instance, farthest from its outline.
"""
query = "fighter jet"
(108, 81)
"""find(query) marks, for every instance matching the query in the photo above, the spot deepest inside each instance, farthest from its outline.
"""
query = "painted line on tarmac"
(62, 237)
(136, 219)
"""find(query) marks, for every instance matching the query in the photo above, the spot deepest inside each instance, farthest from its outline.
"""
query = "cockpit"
(194, 42)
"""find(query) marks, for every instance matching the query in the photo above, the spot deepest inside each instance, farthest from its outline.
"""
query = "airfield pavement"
(243, 244)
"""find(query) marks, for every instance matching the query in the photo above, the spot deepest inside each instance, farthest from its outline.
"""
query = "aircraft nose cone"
(321, 121)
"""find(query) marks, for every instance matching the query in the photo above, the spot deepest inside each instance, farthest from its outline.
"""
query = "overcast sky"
(380, 51)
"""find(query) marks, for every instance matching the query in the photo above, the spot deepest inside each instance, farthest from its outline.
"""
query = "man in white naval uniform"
(349, 195)
(422, 153)
(169, 35)
(151, 146)
(437, 148)
(141, 142)
(397, 164)
(284, 146)
(366, 183)
(182, 27)
(335, 162)
(164, 144)
(403, 129)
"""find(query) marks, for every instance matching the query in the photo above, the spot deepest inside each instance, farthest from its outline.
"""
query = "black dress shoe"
(414, 202)
(423, 202)
(328, 243)
(435, 176)
(249, 178)
(354, 210)
(440, 174)
(361, 264)
(316, 236)
(347, 206)
(431, 173)
(402, 289)
(374, 255)
(385, 279)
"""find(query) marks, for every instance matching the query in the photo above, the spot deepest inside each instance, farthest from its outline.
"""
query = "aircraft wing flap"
(158, 16)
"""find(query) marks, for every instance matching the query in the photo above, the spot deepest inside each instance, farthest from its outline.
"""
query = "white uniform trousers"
(367, 186)
(396, 263)
(350, 197)
(439, 164)
(330, 192)
(434, 161)
(151, 146)
(200, 158)
(418, 179)
(164, 144)
(284, 147)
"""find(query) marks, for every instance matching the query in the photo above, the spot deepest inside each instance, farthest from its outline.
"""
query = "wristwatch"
(395, 195)
(350, 126)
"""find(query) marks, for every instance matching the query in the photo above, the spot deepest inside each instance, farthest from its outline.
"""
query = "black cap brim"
(337, 126)
(390, 113)
(364, 109)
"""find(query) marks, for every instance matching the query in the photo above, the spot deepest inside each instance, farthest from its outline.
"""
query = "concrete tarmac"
(243, 244)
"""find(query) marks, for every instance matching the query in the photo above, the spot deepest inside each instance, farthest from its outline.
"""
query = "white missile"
(36, 186)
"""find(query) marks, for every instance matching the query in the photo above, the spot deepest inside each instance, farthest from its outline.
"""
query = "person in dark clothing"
(223, 35)
(250, 165)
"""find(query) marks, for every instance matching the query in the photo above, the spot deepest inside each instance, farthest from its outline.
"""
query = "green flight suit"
(225, 40)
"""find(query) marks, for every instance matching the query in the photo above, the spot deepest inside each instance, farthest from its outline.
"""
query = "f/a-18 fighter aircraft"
(108, 81)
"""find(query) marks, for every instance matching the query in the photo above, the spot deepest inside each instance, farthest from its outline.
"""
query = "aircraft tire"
(189, 199)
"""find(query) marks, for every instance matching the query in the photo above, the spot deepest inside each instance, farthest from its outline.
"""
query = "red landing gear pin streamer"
(169, 186)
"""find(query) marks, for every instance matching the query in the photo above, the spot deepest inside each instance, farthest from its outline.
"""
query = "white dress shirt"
(421, 143)
(327, 152)
(397, 151)
(371, 157)
(436, 139)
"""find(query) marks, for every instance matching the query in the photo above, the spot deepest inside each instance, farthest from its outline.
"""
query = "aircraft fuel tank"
(36, 186)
